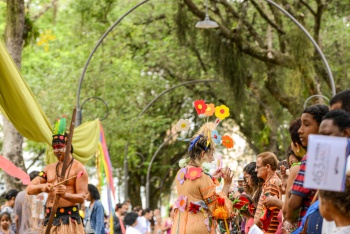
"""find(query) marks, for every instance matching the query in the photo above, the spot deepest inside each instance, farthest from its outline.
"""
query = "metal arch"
(330, 76)
(174, 87)
(150, 165)
(78, 118)
(98, 98)
(142, 159)
(316, 95)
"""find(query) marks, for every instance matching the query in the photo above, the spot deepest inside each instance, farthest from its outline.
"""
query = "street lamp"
(207, 23)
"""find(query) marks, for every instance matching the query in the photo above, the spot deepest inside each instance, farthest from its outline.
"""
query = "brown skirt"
(71, 228)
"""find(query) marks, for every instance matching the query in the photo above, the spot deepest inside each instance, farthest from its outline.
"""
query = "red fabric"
(14, 171)
(121, 225)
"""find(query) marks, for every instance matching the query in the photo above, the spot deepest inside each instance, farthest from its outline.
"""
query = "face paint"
(58, 149)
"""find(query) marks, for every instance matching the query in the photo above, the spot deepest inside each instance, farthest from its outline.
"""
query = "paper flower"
(216, 137)
(251, 208)
(194, 208)
(221, 201)
(220, 213)
(181, 175)
(183, 162)
(181, 203)
(227, 141)
(222, 112)
(240, 202)
(210, 109)
(200, 106)
(202, 205)
(219, 162)
(207, 222)
(183, 125)
(193, 173)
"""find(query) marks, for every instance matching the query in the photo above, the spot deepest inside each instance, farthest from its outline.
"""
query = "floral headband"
(207, 110)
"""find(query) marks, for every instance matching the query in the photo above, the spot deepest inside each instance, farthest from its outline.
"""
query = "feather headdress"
(59, 131)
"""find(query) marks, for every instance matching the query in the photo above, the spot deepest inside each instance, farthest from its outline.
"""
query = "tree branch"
(246, 23)
(36, 158)
(44, 10)
(264, 16)
(245, 46)
(308, 7)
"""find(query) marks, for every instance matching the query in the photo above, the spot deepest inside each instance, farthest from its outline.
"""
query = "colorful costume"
(197, 202)
(67, 221)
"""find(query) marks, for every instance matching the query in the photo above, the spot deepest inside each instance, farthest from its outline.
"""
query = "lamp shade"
(207, 23)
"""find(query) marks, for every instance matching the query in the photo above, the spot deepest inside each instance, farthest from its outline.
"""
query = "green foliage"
(157, 47)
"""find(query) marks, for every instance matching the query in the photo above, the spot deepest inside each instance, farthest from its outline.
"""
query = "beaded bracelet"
(288, 226)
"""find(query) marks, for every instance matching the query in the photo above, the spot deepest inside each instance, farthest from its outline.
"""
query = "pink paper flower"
(181, 175)
(193, 173)
(181, 203)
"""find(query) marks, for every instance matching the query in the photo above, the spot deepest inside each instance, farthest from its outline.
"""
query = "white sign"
(326, 163)
(255, 230)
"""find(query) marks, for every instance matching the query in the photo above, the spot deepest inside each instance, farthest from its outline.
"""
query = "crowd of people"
(271, 195)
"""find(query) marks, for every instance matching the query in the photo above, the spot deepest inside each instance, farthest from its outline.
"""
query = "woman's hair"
(94, 193)
(317, 111)
(269, 158)
(197, 145)
(130, 218)
(6, 214)
(12, 193)
(257, 182)
(290, 152)
(293, 131)
(340, 200)
(282, 163)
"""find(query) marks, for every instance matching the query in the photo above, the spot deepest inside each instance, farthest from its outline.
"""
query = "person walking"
(95, 216)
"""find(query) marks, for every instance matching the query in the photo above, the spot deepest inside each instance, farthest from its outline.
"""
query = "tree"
(12, 143)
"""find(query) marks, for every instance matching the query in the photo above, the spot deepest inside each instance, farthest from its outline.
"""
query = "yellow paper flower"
(183, 125)
(222, 112)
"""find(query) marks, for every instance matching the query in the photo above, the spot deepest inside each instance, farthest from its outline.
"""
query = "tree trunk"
(12, 145)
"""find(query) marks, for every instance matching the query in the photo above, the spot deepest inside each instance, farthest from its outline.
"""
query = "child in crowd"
(335, 206)
(5, 220)
(130, 220)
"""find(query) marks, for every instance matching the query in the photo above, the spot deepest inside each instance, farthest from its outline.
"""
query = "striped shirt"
(299, 190)
(271, 188)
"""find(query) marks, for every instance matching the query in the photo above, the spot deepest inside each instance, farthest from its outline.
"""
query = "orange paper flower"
(193, 173)
(210, 109)
(227, 141)
(222, 112)
(220, 213)
(200, 106)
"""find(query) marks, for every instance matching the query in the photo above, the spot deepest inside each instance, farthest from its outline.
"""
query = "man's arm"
(39, 185)
(81, 189)
(294, 203)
